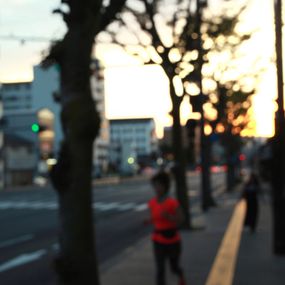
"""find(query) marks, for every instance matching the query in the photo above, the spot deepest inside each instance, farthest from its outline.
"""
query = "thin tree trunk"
(230, 173)
(278, 163)
(207, 198)
(179, 170)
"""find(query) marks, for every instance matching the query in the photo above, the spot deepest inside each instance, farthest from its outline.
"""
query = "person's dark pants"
(162, 253)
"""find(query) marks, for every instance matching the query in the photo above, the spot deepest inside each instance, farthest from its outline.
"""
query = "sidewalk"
(255, 262)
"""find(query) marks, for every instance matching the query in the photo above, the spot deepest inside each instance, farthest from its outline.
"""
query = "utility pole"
(24, 39)
(206, 198)
(278, 145)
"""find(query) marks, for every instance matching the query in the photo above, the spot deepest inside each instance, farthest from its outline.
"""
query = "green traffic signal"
(35, 128)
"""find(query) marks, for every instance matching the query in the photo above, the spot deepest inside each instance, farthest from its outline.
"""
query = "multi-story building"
(18, 115)
(35, 103)
(18, 141)
(102, 142)
(16, 96)
(132, 140)
(45, 91)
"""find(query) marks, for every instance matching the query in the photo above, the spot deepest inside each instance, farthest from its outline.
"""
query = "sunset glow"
(133, 90)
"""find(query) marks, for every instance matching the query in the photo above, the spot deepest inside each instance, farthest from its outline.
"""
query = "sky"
(131, 90)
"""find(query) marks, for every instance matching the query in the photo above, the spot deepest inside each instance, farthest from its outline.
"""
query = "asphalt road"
(29, 227)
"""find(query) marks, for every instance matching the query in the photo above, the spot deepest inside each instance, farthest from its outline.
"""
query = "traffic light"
(37, 128)
(191, 126)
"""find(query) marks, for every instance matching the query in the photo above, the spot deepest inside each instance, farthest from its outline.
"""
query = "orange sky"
(142, 91)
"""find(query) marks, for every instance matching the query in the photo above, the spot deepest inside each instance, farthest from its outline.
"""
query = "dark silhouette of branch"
(93, 14)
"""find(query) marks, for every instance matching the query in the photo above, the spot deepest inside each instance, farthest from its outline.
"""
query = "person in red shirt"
(165, 215)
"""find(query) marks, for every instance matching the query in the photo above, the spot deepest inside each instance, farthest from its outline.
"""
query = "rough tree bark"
(76, 263)
(72, 175)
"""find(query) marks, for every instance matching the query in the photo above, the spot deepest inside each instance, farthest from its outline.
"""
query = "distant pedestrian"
(250, 194)
(166, 216)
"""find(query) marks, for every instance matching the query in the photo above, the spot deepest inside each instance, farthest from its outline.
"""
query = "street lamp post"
(278, 181)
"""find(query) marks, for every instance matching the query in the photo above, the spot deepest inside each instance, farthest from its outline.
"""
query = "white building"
(132, 140)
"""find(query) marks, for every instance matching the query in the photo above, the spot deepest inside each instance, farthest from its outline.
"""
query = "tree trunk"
(278, 194)
(179, 170)
(76, 263)
(207, 199)
(231, 177)
(278, 169)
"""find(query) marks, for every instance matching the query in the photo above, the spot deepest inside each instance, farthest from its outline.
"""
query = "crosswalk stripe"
(20, 205)
(104, 207)
(141, 207)
(37, 205)
(98, 206)
(127, 206)
(5, 205)
(51, 205)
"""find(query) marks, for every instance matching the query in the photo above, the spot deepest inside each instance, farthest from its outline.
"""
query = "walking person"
(250, 194)
(166, 216)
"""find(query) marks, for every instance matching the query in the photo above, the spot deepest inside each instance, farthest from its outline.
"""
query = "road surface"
(29, 226)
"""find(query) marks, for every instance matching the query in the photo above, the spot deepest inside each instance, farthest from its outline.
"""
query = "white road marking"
(5, 205)
(98, 206)
(50, 205)
(141, 207)
(20, 205)
(125, 207)
(37, 205)
(16, 241)
(22, 259)
(107, 206)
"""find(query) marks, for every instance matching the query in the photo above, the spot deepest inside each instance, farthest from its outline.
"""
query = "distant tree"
(167, 33)
(71, 177)
(233, 117)
(156, 31)
(229, 98)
